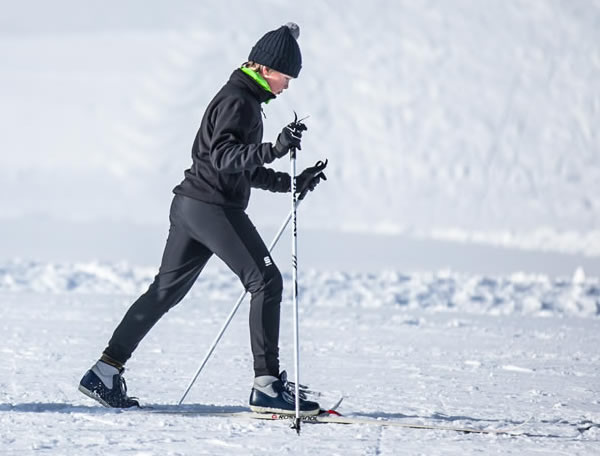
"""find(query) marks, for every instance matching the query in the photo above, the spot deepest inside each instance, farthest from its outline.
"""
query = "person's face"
(276, 80)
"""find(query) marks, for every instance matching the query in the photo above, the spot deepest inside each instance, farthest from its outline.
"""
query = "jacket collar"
(241, 79)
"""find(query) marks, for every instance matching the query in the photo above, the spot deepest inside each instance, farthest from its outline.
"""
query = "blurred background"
(460, 135)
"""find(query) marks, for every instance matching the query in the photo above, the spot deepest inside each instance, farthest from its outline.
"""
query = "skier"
(207, 217)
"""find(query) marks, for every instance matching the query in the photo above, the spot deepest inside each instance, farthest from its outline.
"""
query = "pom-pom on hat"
(279, 50)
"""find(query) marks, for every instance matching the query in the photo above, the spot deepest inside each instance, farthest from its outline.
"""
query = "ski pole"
(295, 289)
(233, 311)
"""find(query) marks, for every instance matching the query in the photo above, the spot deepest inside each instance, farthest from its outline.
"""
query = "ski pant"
(197, 231)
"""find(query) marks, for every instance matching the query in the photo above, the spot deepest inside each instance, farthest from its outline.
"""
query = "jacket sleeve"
(229, 152)
(268, 179)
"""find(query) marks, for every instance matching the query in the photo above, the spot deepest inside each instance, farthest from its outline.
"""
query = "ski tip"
(337, 404)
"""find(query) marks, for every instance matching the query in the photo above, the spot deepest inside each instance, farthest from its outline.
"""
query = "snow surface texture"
(463, 120)
(446, 350)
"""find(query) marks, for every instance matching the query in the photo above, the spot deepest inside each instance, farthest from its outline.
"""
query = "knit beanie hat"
(279, 50)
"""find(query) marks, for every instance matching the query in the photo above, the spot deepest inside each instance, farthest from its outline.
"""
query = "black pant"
(197, 231)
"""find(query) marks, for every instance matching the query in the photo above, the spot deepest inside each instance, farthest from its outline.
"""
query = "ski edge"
(393, 423)
(340, 419)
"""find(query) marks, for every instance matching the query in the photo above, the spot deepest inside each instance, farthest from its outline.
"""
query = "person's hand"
(289, 138)
(308, 179)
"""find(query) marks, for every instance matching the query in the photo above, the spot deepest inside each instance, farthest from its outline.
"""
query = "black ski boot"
(276, 395)
(105, 384)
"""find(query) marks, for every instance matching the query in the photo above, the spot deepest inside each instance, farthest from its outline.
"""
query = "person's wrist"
(279, 149)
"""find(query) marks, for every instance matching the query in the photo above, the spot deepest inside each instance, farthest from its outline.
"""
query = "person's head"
(276, 56)
(277, 81)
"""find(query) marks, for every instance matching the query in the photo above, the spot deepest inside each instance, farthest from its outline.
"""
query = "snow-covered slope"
(459, 120)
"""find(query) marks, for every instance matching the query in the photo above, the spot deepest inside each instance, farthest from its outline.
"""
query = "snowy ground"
(428, 348)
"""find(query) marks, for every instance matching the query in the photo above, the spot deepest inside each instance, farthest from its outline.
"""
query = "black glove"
(308, 179)
(289, 137)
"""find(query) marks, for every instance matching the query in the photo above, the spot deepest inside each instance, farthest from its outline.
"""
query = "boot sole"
(284, 411)
(93, 395)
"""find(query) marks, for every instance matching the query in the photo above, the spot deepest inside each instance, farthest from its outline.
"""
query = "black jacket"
(228, 154)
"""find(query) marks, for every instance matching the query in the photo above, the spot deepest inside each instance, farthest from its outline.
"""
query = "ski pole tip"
(296, 425)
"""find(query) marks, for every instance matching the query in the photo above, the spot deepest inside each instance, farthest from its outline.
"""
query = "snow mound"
(518, 294)
(91, 277)
(446, 291)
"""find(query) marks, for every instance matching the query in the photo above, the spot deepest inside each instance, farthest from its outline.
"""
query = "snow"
(443, 348)
(425, 349)
(449, 267)
(447, 291)
(455, 121)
